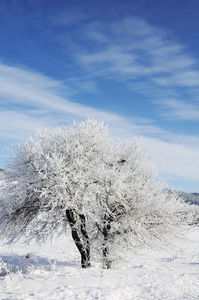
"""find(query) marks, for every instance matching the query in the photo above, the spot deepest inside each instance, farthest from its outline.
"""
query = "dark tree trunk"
(84, 250)
(106, 234)
(85, 237)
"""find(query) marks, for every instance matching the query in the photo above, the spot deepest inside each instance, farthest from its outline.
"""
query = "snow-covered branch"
(78, 172)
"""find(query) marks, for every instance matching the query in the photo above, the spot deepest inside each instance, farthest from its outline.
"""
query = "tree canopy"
(109, 185)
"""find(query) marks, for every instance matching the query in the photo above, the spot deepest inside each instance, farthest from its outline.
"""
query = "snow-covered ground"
(53, 271)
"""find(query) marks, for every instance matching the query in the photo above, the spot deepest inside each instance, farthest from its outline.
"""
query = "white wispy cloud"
(16, 125)
(30, 100)
(147, 58)
(34, 96)
(180, 109)
(175, 159)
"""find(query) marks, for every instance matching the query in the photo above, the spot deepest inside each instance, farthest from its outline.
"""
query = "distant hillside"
(192, 198)
(195, 194)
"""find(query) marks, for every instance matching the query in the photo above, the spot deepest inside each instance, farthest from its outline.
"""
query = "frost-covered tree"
(106, 190)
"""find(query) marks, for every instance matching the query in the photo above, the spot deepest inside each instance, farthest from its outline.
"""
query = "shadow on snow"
(24, 264)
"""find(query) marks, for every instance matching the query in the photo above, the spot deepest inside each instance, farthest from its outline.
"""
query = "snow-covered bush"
(105, 189)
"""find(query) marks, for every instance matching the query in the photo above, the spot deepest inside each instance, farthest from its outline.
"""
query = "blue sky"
(133, 64)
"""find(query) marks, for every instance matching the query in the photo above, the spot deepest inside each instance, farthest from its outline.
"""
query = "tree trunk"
(106, 234)
(85, 237)
(84, 251)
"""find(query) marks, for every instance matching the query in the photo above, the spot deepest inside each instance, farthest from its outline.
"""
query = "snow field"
(53, 271)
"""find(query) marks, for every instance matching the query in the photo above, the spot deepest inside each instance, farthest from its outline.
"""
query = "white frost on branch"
(110, 182)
